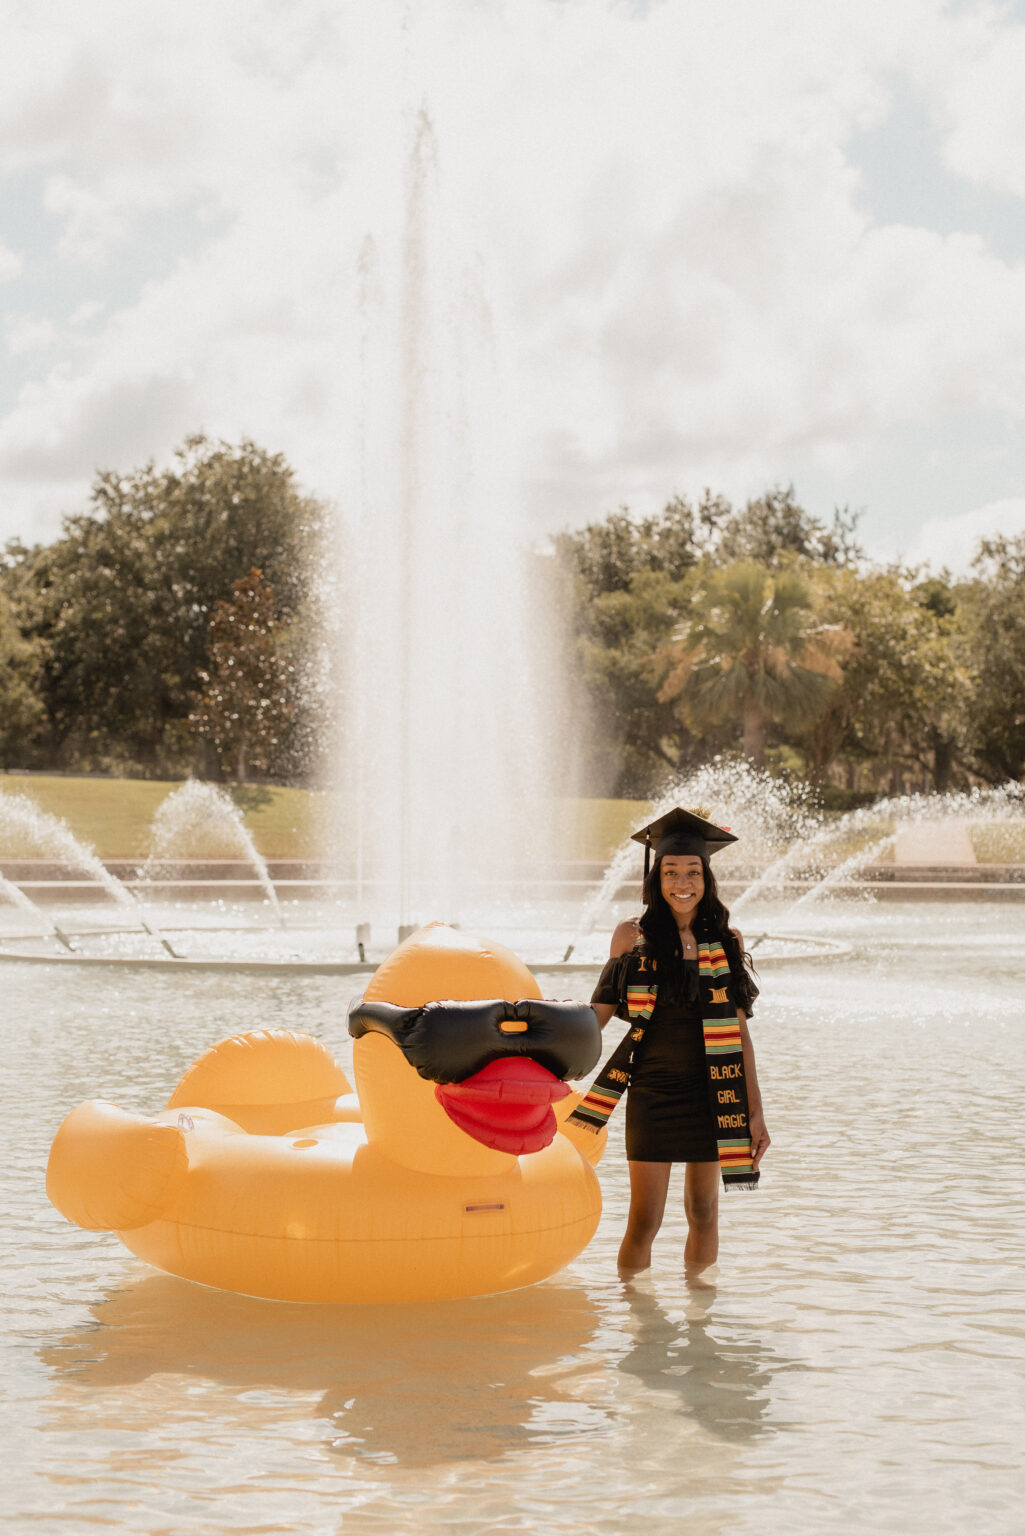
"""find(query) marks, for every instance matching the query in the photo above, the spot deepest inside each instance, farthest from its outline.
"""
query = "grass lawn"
(114, 815)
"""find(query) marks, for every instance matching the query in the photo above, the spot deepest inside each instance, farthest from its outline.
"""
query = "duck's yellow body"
(265, 1175)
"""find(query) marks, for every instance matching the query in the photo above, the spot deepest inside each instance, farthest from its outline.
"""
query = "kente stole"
(724, 1059)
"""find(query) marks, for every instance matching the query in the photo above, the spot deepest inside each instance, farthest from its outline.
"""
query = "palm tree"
(753, 650)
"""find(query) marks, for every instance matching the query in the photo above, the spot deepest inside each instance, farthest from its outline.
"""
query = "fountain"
(194, 821)
(764, 812)
(790, 850)
(22, 818)
(789, 862)
(450, 735)
(201, 819)
(877, 829)
(450, 738)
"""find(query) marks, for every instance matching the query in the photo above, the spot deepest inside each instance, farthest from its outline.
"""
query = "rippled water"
(856, 1366)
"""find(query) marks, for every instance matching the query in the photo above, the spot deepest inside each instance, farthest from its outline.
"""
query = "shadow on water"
(723, 1385)
(417, 1386)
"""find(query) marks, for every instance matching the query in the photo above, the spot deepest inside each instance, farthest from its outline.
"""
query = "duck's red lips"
(507, 1105)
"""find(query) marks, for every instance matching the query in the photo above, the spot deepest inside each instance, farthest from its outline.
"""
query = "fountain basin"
(322, 949)
(830, 1291)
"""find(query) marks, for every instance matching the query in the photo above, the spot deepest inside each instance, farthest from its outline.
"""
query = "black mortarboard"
(680, 831)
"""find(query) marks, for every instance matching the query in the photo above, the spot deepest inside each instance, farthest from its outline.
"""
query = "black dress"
(668, 1107)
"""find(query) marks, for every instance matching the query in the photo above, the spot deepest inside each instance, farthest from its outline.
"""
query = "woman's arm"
(624, 938)
(760, 1139)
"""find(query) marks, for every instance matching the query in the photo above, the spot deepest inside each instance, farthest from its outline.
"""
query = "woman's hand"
(760, 1140)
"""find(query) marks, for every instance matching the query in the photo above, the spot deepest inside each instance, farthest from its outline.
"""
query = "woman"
(678, 973)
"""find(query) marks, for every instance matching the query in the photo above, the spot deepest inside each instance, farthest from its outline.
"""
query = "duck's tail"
(110, 1171)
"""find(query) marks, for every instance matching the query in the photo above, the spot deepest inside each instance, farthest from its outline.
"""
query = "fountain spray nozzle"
(165, 943)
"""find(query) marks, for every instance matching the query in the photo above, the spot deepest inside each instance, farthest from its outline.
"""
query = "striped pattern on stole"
(724, 1060)
(611, 1083)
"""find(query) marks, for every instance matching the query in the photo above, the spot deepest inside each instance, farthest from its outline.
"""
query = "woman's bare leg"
(701, 1203)
(649, 1185)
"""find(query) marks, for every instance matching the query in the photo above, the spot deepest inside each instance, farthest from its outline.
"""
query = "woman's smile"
(683, 881)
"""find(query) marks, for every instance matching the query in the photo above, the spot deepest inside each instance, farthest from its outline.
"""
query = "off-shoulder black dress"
(668, 1108)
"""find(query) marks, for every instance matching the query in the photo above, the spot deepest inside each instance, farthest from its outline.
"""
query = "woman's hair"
(662, 937)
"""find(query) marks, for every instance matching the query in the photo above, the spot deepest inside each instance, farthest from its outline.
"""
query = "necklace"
(690, 945)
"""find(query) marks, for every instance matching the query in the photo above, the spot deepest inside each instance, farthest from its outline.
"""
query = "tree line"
(763, 630)
(176, 626)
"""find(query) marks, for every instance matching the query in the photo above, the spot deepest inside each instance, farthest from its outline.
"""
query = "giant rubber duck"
(446, 1174)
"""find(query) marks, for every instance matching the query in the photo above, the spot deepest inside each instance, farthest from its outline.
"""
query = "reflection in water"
(410, 1385)
(721, 1384)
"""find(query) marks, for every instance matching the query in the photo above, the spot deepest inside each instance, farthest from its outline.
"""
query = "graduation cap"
(680, 831)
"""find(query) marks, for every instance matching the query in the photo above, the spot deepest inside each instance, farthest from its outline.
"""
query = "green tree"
(21, 711)
(773, 529)
(246, 702)
(750, 650)
(626, 577)
(992, 627)
(902, 695)
(123, 600)
(606, 556)
(637, 736)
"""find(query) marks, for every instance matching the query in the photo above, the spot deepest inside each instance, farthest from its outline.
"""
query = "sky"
(722, 243)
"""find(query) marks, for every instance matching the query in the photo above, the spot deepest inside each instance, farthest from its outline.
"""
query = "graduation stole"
(724, 1059)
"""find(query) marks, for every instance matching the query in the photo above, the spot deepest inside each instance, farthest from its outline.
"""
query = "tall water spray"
(448, 749)
(761, 811)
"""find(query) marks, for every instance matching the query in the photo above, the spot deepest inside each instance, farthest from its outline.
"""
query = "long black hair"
(711, 921)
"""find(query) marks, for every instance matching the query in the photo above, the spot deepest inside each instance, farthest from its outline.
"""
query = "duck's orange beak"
(507, 1105)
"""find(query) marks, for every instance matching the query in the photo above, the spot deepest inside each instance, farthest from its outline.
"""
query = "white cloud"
(977, 90)
(83, 313)
(954, 541)
(685, 284)
(26, 333)
(11, 264)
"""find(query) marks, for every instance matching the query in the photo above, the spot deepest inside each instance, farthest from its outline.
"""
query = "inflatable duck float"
(445, 1175)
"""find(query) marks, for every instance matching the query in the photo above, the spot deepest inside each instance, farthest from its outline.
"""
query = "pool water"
(855, 1363)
